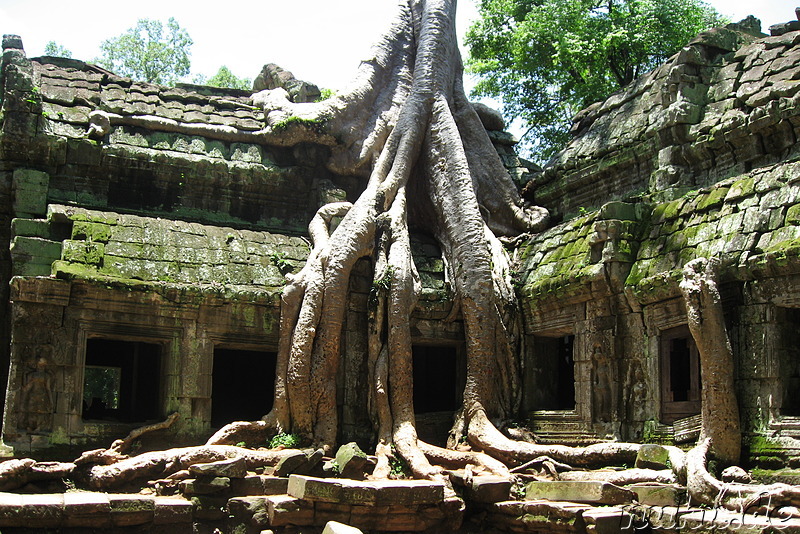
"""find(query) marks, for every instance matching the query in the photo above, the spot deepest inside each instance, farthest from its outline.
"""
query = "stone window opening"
(242, 385)
(121, 381)
(550, 383)
(680, 375)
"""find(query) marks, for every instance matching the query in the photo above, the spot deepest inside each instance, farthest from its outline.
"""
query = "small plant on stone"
(279, 260)
(518, 489)
(384, 283)
(287, 441)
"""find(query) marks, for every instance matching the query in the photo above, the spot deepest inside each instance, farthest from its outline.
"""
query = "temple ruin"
(147, 231)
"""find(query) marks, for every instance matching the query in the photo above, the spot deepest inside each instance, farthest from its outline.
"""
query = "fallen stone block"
(579, 491)
(300, 463)
(651, 456)
(485, 489)
(235, 468)
(285, 510)
(205, 486)
(333, 527)
(659, 494)
(351, 461)
(373, 492)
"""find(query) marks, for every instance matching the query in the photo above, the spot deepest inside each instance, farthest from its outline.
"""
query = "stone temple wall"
(160, 231)
(715, 173)
(725, 104)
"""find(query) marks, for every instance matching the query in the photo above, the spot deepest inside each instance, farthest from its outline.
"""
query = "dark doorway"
(435, 379)
(550, 377)
(680, 375)
(243, 385)
(788, 352)
(122, 381)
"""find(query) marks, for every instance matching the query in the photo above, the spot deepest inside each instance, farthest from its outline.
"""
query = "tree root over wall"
(406, 126)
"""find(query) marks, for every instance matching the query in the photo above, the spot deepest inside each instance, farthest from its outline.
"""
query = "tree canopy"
(149, 52)
(56, 50)
(225, 78)
(548, 59)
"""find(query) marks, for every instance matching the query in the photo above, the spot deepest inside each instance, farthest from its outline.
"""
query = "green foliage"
(382, 284)
(398, 468)
(102, 383)
(288, 441)
(149, 52)
(293, 119)
(225, 78)
(56, 50)
(279, 260)
(325, 94)
(548, 59)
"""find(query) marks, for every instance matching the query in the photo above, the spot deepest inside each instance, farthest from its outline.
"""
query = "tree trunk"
(720, 411)
(408, 119)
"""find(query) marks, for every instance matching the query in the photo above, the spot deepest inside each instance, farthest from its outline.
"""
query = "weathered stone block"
(652, 456)
(579, 491)
(83, 252)
(128, 510)
(36, 247)
(291, 464)
(172, 510)
(87, 509)
(314, 489)
(608, 521)
(659, 494)
(259, 485)
(235, 468)
(210, 508)
(377, 492)
(41, 511)
(30, 228)
(91, 231)
(351, 461)
(330, 511)
(30, 192)
(486, 489)
(248, 511)
(333, 527)
(205, 486)
(285, 510)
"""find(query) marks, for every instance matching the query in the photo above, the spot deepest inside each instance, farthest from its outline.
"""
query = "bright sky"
(321, 41)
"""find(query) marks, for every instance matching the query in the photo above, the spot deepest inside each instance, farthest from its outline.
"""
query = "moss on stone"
(712, 199)
(91, 231)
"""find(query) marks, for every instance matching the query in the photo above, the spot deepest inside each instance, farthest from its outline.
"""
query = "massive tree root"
(407, 127)
(720, 435)
(420, 137)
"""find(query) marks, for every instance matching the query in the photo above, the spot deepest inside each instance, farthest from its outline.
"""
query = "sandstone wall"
(714, 167)
(725, 104)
